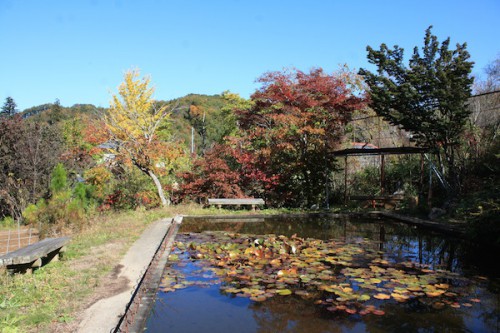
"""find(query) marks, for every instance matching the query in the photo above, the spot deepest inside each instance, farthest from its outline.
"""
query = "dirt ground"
(107, 286)
(101, 311)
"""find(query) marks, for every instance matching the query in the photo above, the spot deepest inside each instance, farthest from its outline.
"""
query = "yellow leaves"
(134, 118)
(133, 114)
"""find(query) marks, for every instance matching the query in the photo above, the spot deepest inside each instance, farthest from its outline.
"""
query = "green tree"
(56, 114)
(427, 98)
(9, 108)
(59, 178)
(133, 121)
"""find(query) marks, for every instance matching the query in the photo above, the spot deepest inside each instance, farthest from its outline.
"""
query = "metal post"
(8, 243)
(18, 234)
(345, 180)
(429, 194)
(382, 174)
(192, 140)
(422, 171)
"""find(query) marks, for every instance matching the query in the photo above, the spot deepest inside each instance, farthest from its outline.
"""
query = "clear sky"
(78, 50)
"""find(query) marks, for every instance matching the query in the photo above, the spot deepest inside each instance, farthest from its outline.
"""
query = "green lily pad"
(283, 292)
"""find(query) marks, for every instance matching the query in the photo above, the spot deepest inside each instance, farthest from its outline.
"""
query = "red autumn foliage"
(296, 120)
(211, 177)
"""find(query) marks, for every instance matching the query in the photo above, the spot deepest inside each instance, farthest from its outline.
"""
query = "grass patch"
(54, 293)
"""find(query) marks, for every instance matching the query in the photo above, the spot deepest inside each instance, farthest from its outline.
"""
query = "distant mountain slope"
(210, 116)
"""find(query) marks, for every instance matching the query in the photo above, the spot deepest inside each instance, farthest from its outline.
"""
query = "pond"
(323, 274)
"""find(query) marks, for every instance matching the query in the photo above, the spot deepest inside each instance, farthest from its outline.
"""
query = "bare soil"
(106, 286)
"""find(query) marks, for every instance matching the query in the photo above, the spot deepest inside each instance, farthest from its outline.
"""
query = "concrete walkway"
(103, 316)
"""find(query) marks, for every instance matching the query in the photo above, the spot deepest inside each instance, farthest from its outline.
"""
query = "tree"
(56, 114)
(133, 121)
(9, 108)
(428, 98)
(492, 81)
(58, 179)
(212, 177)
(294, 121)
(28, 153)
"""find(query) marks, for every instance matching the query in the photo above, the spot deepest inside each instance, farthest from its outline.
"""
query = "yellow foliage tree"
(133, 121)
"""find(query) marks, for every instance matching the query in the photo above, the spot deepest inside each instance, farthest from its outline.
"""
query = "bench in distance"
(237, 202)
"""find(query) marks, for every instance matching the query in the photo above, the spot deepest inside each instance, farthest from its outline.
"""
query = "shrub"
(7, 222)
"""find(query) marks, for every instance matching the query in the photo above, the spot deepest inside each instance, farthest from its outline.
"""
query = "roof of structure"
(380, 151)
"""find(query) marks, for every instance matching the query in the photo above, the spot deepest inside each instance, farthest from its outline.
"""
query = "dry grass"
(51, 298)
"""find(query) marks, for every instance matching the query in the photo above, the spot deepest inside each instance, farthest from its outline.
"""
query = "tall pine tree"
(427, 98)
(9, 108)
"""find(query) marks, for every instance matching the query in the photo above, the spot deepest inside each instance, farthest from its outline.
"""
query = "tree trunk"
(164, 201)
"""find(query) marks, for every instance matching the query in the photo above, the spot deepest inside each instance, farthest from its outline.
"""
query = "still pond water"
(355, 276)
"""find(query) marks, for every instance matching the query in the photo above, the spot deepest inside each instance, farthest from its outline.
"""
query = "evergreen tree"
(9, 108)
(428, 98)
(59, 178)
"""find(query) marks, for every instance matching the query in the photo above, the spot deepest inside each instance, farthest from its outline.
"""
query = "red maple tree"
(296, 119)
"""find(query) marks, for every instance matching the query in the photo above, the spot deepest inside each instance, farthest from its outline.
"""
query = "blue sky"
(77, 50)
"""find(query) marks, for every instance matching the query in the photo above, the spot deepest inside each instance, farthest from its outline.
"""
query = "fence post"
(8, 243)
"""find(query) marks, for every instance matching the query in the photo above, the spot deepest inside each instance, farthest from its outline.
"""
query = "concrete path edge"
(104, 315)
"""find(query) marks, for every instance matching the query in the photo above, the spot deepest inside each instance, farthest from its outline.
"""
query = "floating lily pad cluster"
(343, 278)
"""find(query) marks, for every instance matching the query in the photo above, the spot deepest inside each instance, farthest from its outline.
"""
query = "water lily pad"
(442, 286)
(351, 311)
(258, 298)
(382, 296)
(435, 293)
(378, 312)
(414, 288)
(283, 292)
(400, 297)
(173, 257)
(179, 286)
(303, 293)
(438, 305)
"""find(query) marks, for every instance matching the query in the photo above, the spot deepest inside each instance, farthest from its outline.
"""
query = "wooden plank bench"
(387, 201)
(34, 255)
(236, 202)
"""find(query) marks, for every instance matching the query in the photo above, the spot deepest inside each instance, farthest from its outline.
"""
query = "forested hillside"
(60, 164)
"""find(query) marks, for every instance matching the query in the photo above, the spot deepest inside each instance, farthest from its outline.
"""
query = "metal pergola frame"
(381, 152)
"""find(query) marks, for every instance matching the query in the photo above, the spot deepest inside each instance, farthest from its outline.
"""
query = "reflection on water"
(207, 309)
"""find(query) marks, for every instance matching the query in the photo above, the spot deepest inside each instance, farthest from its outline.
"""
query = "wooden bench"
(387, 201)
(34, 255)
(236, 202)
